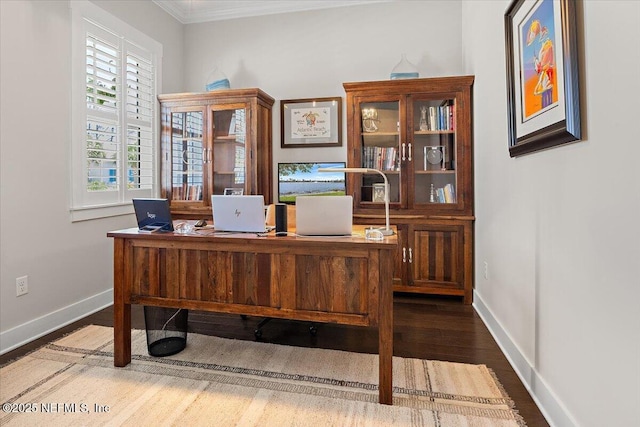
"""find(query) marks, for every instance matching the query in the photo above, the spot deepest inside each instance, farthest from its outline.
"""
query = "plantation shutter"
(120, 110)
(140, 104)
(103, 128)
(114, 81)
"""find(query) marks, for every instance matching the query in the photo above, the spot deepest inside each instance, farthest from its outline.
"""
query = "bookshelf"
(418, 132)
(211, 142)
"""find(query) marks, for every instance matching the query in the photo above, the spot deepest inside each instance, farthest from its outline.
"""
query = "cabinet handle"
(404, 157)
(410, 256)
(404, 255)
(204, 155)
(410, 152)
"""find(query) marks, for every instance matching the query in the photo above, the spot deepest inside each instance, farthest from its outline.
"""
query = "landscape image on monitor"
(303, 179)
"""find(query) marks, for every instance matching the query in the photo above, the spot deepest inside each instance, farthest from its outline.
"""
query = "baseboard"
(34, 329)
(550, 406)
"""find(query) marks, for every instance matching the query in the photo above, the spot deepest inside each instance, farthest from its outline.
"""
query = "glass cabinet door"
(381, 133)
(434, 178)
(187, 156)
(229, 151)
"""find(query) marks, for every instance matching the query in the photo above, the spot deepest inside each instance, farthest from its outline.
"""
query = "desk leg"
(122, 335)
(385, 330)
(121, 311)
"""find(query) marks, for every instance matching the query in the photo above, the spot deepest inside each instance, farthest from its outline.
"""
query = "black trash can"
(166, 330)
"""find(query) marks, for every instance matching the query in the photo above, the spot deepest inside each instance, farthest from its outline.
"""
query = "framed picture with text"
(543, 90)
(311, 122)
(233, 191)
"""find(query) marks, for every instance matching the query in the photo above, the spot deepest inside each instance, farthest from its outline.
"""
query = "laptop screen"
(239, 213)
(153, 214)
(324, 215)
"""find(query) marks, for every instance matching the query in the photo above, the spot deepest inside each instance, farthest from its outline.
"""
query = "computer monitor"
(303, 179)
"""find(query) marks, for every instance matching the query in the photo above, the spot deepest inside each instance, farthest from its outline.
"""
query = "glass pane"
(139, 157)
(434, 143)
(380, 149)
(187, 155)
(103, 154)
(229, 156)
(102, 70)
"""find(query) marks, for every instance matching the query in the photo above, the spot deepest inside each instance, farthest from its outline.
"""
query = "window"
(115, 72)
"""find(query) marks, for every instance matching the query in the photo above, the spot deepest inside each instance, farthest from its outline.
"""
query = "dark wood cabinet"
(213, 143)
(418, 133)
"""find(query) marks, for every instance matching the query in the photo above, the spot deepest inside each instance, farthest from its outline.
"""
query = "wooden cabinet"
(418, 133)
(213, 143)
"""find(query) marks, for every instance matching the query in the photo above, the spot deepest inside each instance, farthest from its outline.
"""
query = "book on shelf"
(441, 117)
(449, 193)
(446, 194)
(177, 193)
(381, 158)
(187, 192)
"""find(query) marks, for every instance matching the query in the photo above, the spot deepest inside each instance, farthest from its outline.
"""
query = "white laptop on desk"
(324, 215)
(238, 213)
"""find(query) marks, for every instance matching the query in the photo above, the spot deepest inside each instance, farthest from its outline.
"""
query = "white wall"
(69, 265)
(559, 229)
(310, 54)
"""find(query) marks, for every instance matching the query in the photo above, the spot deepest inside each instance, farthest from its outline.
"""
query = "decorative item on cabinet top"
(404, 70)
(217, 80)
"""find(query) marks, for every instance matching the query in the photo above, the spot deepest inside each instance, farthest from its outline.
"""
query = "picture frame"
(311, 122)
(233, 191)
(543, 85)
(378, 193)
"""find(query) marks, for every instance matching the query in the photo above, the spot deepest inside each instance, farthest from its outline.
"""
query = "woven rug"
(223, 382)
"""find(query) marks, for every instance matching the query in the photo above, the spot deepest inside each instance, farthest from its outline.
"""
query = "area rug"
(224, 382)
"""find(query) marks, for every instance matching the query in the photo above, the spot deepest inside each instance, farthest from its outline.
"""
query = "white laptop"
(324, 215)
(238, 213)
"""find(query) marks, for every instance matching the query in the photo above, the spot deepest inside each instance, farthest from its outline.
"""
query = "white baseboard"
(34, 329)
(551, 407)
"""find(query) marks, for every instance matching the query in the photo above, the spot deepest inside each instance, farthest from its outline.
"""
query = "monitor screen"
(303, 179)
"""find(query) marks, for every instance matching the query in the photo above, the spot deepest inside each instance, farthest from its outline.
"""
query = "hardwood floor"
(424, 327)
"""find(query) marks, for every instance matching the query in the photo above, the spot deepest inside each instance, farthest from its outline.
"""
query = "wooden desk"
(345, 280)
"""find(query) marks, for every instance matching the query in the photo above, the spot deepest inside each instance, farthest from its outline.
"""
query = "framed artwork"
(311, 122)
(543, 90)
(229, 191)
(378, 192)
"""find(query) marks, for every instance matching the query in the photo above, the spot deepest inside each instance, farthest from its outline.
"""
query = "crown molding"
(197, 11)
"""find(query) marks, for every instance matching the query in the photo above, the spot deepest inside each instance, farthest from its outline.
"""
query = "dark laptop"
(153, 214)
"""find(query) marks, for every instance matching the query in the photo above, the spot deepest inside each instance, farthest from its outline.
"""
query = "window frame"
(83, 204)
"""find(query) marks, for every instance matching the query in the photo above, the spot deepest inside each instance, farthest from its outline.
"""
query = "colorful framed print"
(543, 91)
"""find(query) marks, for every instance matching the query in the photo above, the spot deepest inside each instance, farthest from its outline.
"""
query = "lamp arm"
(386, 198)
(387, 230)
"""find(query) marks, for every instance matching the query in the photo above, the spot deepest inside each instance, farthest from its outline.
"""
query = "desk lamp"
(386, 231)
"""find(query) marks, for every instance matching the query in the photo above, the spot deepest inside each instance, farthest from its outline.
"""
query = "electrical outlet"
(22, 285)
(486, 270)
